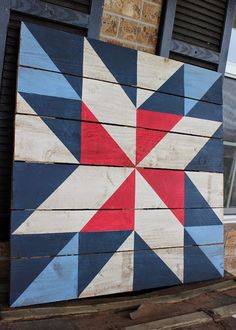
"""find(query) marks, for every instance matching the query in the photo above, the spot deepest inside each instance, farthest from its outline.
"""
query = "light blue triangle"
(206, 234)
(189, 104)
(72, 247)
(215, 254)
(30, 45)
(58, 280)
(198, 81)
(45, 83)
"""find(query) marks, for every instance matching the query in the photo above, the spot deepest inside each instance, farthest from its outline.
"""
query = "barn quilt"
(117, 175)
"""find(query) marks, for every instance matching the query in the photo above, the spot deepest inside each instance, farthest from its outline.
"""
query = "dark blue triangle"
(175, 84)
(121, 62)
(34, 182)
(218, 133)
(95, 251)
(101, 242)
(161, 102)
(53, 106)
(65, 49)
(68, 131)
(192, 197)
(207, 111)
(197, 267)
(23, 273)
(38, 245)
(89, 267)
(214, 93)
(149, 270)
(209, 158)
(201, 217)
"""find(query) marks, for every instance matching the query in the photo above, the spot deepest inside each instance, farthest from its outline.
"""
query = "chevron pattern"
(117, 176)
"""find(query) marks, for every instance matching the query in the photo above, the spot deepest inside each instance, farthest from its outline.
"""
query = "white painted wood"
(210, 185)
(108, 102)
(117, 274)
(88, 187)
(174, 151)
(159, 228)
(196, 126)
(153, 71)
(174, 259)
(145, 196)
(43, 222)
(34, 141)
(23, 107)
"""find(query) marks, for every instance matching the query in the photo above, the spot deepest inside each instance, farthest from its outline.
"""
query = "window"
(230, 127)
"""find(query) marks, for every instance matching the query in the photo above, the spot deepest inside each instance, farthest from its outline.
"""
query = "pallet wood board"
(117, 175)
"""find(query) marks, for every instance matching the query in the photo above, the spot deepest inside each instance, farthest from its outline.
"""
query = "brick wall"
(131, 23)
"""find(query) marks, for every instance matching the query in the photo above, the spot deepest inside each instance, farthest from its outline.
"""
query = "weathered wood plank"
(47, 312)
(60, 186)
(65, 141)
(125, 67)
(96, 279)
(180, 321)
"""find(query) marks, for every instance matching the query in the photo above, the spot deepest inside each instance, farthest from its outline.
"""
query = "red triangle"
(157, 120)
(146, 140)
(169, 185)
(97, 146)
(119, 214)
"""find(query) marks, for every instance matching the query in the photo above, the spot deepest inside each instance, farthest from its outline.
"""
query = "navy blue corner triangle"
(38, 245)
(23, 273)
(161, 102)
(218, 133)
(175, 84)
(149, 270)
(201, 217)
(204, 110)
(214, 93)
(101, 242)
(209, 158)
(65, 49)
(68, 131)
(34, 182)
(192, 197)
(121, 62)
(53, 106)
(197, 267)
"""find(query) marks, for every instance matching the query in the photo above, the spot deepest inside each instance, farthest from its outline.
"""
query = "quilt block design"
(117, 176)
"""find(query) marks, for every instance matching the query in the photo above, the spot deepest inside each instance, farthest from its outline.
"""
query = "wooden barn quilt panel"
(117, 175)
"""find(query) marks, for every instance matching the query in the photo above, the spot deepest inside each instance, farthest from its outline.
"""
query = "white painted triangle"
(88, 187)
(34, 141)
(125, 137)
(142, 96)
(154, 71)
(117, 274)
(145, 196)
(159, 228)
(50, 222)
(58, 281)
(40, 58)
(210, 186)
(23, 107)
(174, 259)
(219, 213)
(174, 151)
(196, 126)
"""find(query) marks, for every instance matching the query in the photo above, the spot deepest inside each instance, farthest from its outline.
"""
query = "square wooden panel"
(117, 176)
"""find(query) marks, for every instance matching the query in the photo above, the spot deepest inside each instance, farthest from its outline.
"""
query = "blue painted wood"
(201, 217)
(203, 262)
(51, 106)
(203, 235)
(33, 183)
